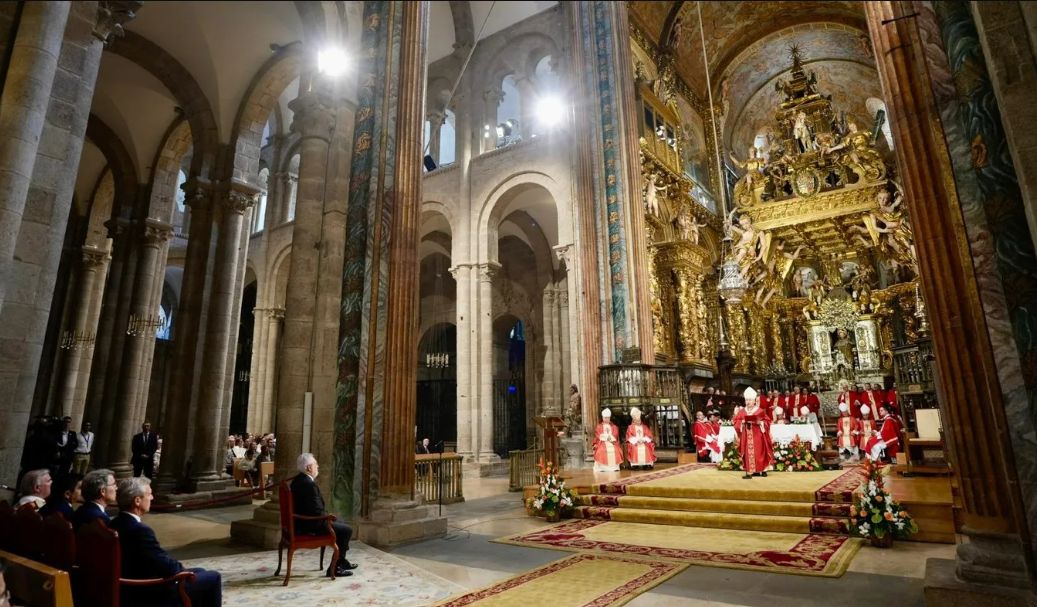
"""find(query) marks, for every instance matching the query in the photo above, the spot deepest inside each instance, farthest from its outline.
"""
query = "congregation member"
(848, 432)
(143, 447)
(35, 488)
(308, 501)
(754, 437)
(99, 492)
(229, 456)
(65, 492)
(143, 557)
(423, 448)
(640, 445)
(607, 455)
(84, 449)
(65, 444)
(249, 467)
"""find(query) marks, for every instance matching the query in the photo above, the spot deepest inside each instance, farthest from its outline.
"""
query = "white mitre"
(749, 394)
(606, 412)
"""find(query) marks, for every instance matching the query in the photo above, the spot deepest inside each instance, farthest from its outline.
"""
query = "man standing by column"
(84, 446)
(66, 444)
(143, 447)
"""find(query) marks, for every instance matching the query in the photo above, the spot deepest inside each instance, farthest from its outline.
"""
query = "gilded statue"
(688, 226)
(863, 158)
(801, 133)
(753, 167)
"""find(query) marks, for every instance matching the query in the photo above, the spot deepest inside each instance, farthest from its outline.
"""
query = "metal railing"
(524, 468)
(912, 367)
(436, 471)
(657, 391)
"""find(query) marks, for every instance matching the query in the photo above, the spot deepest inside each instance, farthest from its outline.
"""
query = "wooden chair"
(294, 542)
(27, 527)
(57, 542)
(99, 556)
(266, 472)
(37, 584)
(241, 478)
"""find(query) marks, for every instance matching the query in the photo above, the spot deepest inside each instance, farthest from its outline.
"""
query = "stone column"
(997, 553)
(83, 330)
(128, 410)
(465, 396)
(274, 318)
(23, 110)
(188, 331)
(257, 369)
(492, 98)
(77, 407)
(483, 421)
(435, 119)
(232, 204)
(374, 419)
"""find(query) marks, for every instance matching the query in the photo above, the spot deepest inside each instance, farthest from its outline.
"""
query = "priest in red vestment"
(878, 395)
(701, 430)
(754, 437)
(867, 427)
(607, 454)
(887, 439)
(796, 401)
(870, 398)
(640, 446)
(848, 431)
(845, 396)
(814, 402)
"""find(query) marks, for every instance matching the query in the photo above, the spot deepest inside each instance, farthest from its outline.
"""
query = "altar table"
(783, 434)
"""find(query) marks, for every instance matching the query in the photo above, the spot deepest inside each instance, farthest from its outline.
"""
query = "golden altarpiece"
(814, 262)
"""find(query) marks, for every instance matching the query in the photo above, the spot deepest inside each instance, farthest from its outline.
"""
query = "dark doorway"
(437, 387)
(509, 386)
(243, 364)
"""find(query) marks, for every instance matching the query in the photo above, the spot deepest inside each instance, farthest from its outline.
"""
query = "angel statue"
(753, 167)
(801, 133)
(688, 226)
(652, 192)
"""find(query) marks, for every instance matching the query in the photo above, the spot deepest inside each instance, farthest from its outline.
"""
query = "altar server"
(754, 437)
(887, 439)
(701, 432)
(607, 455)
(640, 446)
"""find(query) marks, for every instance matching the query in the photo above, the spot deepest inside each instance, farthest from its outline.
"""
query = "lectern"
(551, 425)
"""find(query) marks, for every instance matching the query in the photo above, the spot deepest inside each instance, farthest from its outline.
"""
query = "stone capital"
(488, 271)
(564, 253)
(94, 257)
(493, 95)
(111, 15)
(117, 227)
(275, 313)
(314, 115)
(239, 197)
(197, 193)
(155, 232)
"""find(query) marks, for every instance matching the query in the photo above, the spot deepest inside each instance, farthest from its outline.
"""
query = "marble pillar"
(232, 202)
(128, 407)
(998, 553)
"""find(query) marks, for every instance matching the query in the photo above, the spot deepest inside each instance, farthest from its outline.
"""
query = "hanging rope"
(712, 115)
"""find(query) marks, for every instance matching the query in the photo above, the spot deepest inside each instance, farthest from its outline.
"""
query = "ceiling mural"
(729, 27)
(759, 65)
(849, 83)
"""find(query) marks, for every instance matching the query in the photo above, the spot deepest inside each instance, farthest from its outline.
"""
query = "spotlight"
(332, 62)
(550, 111)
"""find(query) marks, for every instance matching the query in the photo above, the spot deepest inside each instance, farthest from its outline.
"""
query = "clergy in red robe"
(640, 446)
(778, 416)
(814, 402)
(848, 431)
(796, 401)
(867, 427)
(891, 398)
(879, 395)
(754, 437)
(845, 397)
(887, 440)
(607, 455)
(870, 398)
(701, 431)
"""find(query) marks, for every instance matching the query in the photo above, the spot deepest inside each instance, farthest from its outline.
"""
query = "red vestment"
(879, 397)
(796, 402)
(607, 455)
(754, 440)
(855, 407)
(867, 426)
(868, 398)
(701, 430)
(849, 429)
(891, 398)
(889, 432)
(814, 403)
(640, 446)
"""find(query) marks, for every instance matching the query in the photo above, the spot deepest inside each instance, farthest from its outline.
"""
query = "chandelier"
(732, 284)
(837, 314)
(439, 360)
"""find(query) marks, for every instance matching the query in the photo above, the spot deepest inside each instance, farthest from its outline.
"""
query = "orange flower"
(853, 511)
(878, 498)
(889, 516)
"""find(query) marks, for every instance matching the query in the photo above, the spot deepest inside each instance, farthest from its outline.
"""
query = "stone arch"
(495, 208)
(176, 143)
(197, 108)
(276, 289)
(259, 102)
(124, 171)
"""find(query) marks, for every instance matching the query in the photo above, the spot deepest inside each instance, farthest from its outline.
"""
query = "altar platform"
(700, 495)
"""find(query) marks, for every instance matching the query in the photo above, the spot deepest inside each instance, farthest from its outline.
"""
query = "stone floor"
(465, 556)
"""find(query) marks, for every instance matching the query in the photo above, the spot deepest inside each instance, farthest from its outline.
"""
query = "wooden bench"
(36, 584)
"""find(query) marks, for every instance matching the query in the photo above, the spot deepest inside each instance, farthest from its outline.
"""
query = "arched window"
(508, 112)
(547, 81)
(259, 212)
(293, 186)
(447, 143)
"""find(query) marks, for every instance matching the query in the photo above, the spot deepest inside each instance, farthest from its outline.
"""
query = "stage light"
(332, 62)
(550, 111)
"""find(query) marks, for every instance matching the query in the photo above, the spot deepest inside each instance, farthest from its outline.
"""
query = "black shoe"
(340, 572)
(344, 564)
(763, 474)
(747, 476)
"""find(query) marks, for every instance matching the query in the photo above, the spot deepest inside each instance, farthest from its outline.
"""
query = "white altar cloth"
(783, 434)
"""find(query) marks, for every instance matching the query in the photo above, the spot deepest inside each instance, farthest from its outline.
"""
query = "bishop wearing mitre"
(607, 454)
(867, 427)
(848, 431)
(754, 436)
(640, 446)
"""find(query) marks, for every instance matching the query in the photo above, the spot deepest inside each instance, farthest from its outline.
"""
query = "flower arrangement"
(552, 499)
(732, 458)
(876, 515)
(796, 457)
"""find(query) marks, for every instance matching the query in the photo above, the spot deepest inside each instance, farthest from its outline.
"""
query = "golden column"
(974, 418)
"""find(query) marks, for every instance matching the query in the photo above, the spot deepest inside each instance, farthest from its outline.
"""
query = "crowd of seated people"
(245, 452)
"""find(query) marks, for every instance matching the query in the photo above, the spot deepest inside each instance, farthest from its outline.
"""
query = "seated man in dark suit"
(144, 558)
(308, 501)
(65, 492)
(98, 493)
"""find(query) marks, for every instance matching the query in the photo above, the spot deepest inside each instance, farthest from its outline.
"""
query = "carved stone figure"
(574, 412)
(688, 226)
(652, 191)
(801, 133)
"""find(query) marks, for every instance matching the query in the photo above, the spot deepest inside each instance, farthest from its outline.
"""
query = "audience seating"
(266, 472)
(36, 584)
(6, 527)
(100, 564)
(241, 478)
(294, 542)
(28, 524)
(57, 542)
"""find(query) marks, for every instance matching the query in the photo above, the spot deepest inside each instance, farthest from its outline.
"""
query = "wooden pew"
(36, 585)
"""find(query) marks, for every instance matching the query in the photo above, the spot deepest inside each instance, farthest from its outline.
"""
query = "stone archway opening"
(510, 410)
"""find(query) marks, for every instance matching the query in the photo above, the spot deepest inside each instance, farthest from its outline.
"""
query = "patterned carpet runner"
(699, 495)
(583, 580)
